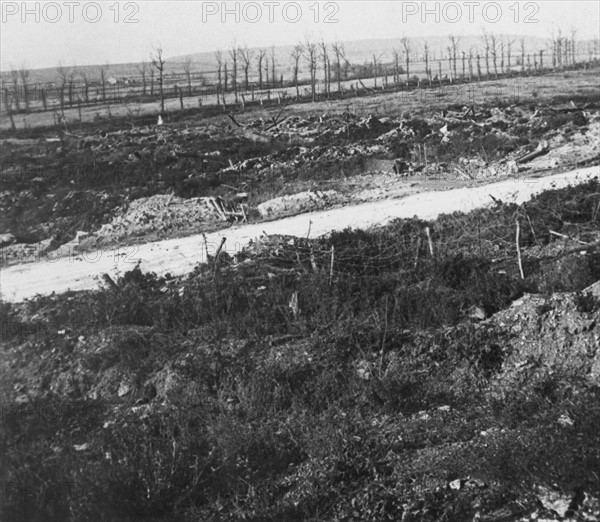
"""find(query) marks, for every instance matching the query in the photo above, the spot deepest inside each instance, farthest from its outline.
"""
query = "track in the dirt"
(180, 256)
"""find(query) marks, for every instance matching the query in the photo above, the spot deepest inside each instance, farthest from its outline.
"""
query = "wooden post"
(331, 264)
(313, 263)
(419, 243)
(218, 254)
(429, 241)
(517, 241)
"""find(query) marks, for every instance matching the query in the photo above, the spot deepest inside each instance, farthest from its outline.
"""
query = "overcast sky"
(40, 34)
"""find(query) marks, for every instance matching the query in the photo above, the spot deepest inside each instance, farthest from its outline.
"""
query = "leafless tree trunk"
(8, 107)
(187, 70)
(151, 81)
(296, 55)
(309, 49)
(103, 73)
(246, 58)
(494, 49)
(259, 62)
(522, 55)
(86, 87)
(338, 50)
(509, 45)
(486, 47)
(427, 71)
(471, 64)
(273, 76)
(267, 73)
(71, 86)
(159, 64)
(376, 68)
(233, 53)
(325, 60)
(405, 41)
(24, 74)
(454, 41)
(63, 75)
(553, 38)
(143, 70)
(219, 58)
(15, 82)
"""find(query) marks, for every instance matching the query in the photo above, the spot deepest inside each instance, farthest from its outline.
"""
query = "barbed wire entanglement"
(416, 273)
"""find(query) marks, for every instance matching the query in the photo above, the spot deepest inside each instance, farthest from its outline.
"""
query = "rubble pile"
(298, 203)
(161, 213)
(206, 160)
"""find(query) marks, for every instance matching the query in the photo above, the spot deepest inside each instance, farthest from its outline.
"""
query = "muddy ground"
(99, 187)
(440, 370)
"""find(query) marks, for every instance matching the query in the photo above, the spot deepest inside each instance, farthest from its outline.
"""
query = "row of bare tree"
(240, 69)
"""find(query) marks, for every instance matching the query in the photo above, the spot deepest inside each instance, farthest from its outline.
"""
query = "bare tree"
(338, 50)
(16, 90)
(219, 58)
(494, 51)
(187, 70)
(559, 46)
(522, 55)
(325, 60)
(103, 73)
(151, 70)
(246, 58)
(405, 41)
(426, 55)
(273, 76)
(233, 53)
(486, 46)
(24, 75)
(396, 56)
(573, 52)
(454, 41)
(471, 64)
(8, 108)
(86, 87)
(159, 64)
(376, 67)
(296, 56)
(143, 70)
(259, 63)
(267, 71)
(63, 74)
(449, 49)
(309, 50)
(509, 45)
(71, 86)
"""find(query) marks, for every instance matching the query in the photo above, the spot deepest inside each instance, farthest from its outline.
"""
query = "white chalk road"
(180, 256)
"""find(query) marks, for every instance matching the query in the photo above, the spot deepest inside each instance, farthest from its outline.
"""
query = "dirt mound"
(299, 203)
(550, 334)
(161, 213)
